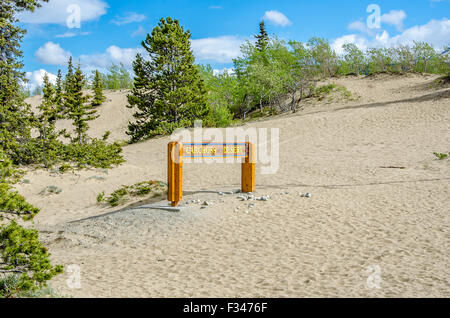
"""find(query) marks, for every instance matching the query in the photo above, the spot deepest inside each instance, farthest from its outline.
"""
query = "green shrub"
(142, 189)
(324, 90)
(98, 154)
(8, 174)
(23, 256)
(101, 197)
(13, 204)
(441, 156)
(219, 117)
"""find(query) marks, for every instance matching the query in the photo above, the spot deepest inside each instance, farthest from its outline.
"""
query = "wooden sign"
(177, 151)
(215, 150)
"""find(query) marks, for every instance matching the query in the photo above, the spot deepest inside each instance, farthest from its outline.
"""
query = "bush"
(141, 189)
(12, 203)
(24, 261)
(441, 156)
(8, 173)
(219, 117)
(98, 154)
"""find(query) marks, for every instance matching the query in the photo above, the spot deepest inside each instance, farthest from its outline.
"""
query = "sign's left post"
(175, 173)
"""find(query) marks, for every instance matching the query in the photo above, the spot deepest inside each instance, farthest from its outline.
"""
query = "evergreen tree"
(79, 111)
(168, 89)
(46, 123)
(24, 263)
(97, 86)
(69, 76)
(59, 92)
(15, 114)
(262, 39)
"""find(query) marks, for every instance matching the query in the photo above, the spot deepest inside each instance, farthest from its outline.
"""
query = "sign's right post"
(248, 170)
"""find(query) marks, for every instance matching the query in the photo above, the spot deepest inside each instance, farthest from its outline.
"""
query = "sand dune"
(363, 211)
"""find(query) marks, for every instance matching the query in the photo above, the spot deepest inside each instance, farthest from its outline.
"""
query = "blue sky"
(110, 31)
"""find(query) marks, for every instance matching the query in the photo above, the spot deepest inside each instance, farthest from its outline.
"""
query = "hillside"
(379, 197)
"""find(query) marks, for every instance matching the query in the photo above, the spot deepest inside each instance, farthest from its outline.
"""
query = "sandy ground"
(361, 214)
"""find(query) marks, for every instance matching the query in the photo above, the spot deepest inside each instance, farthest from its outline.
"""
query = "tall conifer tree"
(15, 114)
(262, 39)
(59, 91)
(46, 123)
(168, 90)
(97, 86)
(78, 108)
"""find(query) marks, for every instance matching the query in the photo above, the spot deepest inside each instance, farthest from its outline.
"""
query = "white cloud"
(112, 55)
(217, 50)
(55, 11)
(222, 49)
(36, 79)
(351, 38)
(277, 18)
(394, 18)
(435, 32)
(138, 32)
(52, 54)
(128, 18)
(71, 34)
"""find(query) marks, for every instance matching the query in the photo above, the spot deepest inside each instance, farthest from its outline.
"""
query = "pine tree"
(69, 76)
(262, 39)
(97, 86)
(168, 90)
(15, 114)
(46, 123)
(24, 262)
(78, 108)
(59, 100)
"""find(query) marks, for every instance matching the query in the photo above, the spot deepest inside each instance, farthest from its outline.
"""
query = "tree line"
(170, 91)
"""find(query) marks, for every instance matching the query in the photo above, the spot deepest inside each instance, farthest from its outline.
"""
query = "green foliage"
(270, 70)
(59, 92)
(97, 86)
(24, 264)
(23, 255)
(13, 204)
(10, 286)
(353, 62)
(441, 156)
(168, 91)
(8, 173)
(101, 197)
(79, 111)
(324, 90)
(262, 39)
(97, 153)
(117, 77)
(64, 168)
(142, 189)
(49, 113)
(219, 117)
(69, 80)
(220, 96)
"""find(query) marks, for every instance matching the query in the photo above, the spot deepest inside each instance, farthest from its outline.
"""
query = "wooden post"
(175, 173)
(248, 170)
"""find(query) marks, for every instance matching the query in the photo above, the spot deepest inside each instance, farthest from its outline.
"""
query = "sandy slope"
(360, 214)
